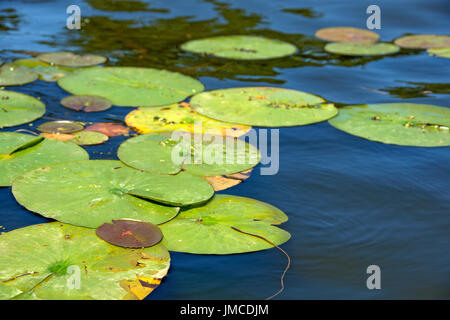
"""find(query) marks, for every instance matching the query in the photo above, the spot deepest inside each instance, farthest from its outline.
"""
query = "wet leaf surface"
(361, 49)
(130, 233)
(347, 34)
(423, 41)
(46, 71)
(69, 59)
(39, 261)
(61, 126)
(14, 75)
(109, 129)
(86, 103)
(17, 109)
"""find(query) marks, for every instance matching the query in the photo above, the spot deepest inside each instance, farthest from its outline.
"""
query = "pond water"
(351, 202)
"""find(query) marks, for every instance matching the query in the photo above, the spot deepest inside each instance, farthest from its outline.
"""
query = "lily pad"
(14, 75)
(62, 126)
(347, 34)
(89, 138)
(180, 117)
(361, 49)
(17, 108)
(55, 261)
(92, 192)
(224, 182)
(405, 124)
(86, 103)
(213, 228)
(202, 155)
(20, 153)
(109, 129)
(440, 52)
(241, 47)
(46, 71)
(69, 59)
(263, 106)
(132, 87)
(423, 41)
(130, 233)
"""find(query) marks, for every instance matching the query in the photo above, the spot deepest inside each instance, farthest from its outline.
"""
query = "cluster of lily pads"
(117, 220)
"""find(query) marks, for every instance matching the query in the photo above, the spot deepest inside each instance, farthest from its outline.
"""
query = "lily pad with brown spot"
(423, 41)
(347, 34)
(55, 261)
(130, 233)
(86, 103)
(109, 129)
(62, 126)
(361, 49)
(69, 59)
(224, 182)
(17, 108)
(15, 75)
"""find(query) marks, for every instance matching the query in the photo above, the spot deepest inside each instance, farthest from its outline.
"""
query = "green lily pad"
(86, 103)
(405, 124)
(17, 108)
(91, 192)
(46, 71)
(20, 153)
(14, 75)
(202, 155)
(69, 59)
(211, 229)
(89, 138)
(241, 47)
(61, 126)
(423, 41)
(263, 106)
(361, 49)
(132, 87)
(55, 261)
(179, 117)
(440, 52)
(130, 233)
(347, 34)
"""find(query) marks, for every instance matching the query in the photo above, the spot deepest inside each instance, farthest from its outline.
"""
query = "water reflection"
(418, 90)
(9, 19)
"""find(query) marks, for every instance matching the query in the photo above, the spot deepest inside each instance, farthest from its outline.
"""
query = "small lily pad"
(423, 41)
(110, 129)
(440, 52)
(132, 87)
(54, 261)
(14, 75)
(130, 233)
(347, 34)
(86, 103)
(89, 138)
(213, 228)
(241, 47)
(263, 106)
(92, 192)
(202, 155)
(46, 71)
(69, 59)
(361, 49)
(180, 117)
(20, 153)
(405, 124)
(17, 108)
(62, 126)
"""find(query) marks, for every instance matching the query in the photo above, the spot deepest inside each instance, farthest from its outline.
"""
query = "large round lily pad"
(347, 34)
(92, 192)
(440, 52)
(14, 75)
(86, 103)
(132, 87)
(241, 47)
(46, 71)
(202, 155)
(213, 228)
(55, 261)
(180, 117)
(423, 41)
(17, 108)
(405, 124)
(69, 59)
(20, 153)
(361, 49)
(263, 106)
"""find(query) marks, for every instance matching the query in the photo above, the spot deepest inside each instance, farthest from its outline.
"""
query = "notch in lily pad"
(61, 126)
(129, 233)
(86, 103)
(69, 59)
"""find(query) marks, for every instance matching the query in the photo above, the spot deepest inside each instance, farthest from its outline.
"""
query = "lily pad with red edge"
(110, 129)
(347, 34)
(130, 233)
(86, 103)
(54, 261)
(69, 59)
(62, 126)
(15, 75)
(423, 41)
(17, 108)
